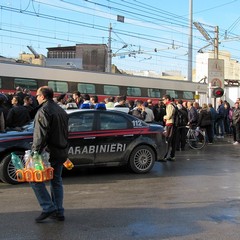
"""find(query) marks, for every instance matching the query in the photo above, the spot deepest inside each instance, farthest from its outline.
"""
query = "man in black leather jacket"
(50, 133)
(18, 115)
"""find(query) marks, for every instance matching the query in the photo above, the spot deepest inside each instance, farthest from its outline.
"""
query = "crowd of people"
(219, 122)
(19, 108)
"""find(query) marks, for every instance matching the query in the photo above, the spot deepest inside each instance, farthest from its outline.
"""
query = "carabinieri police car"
(96, 138)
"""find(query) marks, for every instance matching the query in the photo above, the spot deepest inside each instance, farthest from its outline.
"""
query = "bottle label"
(28, 175)
(20, 175)
(32, 175)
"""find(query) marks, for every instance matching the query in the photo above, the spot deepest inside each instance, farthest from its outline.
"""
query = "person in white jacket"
(149, 116)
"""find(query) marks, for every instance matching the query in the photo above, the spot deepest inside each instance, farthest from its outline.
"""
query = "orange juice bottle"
(28, 173)
(20, 175)
(37, 176)
(49, 172)
(44, 175)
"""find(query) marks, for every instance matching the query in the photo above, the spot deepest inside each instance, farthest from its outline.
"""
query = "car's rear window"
(81, 122)
(112, 121)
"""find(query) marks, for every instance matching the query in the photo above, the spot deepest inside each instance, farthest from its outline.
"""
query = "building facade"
(231, 66)
(231, 73)
(92, 57)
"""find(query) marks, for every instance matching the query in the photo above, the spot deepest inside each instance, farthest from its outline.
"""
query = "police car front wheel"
(142, 159)
(7, 170)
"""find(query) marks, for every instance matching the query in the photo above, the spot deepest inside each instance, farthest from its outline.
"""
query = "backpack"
(180, 117)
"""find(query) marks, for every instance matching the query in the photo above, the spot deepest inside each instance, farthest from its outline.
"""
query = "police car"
(96, 138)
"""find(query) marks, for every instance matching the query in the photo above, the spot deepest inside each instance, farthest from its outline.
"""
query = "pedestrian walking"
(50, 134)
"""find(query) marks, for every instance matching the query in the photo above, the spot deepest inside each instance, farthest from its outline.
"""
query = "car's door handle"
(128, 135)
(90, 138)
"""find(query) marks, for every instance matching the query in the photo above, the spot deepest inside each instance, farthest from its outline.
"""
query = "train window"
(111, 90)
(134, 91)
(188, 95)
(155, 93)
(58, 86)
(25, 83)
(172, 93)
(86, 88)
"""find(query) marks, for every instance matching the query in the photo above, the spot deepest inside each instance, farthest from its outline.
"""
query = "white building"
(231, 66)
(231, 73)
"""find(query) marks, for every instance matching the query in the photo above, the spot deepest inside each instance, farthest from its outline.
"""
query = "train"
(103, 85)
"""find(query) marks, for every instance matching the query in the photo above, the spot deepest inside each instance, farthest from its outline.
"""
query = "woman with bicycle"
(192, 115)
(195, 137)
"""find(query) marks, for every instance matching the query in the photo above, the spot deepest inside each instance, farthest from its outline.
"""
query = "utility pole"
(109, 67)
(212, 41)
(215, 65)
(216, 42)
(190, 41)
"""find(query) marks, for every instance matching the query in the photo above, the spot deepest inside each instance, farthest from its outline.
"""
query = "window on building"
(72, 54)
(58, 86)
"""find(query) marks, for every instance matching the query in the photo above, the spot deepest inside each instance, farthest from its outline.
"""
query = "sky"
(153, 36)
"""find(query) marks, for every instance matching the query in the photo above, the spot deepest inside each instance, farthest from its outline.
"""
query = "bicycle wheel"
(196, 139)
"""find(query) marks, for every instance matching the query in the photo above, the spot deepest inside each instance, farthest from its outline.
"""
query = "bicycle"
(196, 138)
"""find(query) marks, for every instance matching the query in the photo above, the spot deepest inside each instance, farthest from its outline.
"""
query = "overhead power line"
(136, 11)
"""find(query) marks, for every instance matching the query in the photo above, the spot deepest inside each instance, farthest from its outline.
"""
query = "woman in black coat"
(205, 121)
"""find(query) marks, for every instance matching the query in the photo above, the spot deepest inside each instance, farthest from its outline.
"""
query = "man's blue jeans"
(54, 201)
(220, 124)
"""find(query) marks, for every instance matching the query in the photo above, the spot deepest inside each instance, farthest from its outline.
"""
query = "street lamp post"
(190, 41)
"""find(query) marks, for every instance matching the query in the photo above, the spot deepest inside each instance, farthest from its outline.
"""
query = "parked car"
(96, 138)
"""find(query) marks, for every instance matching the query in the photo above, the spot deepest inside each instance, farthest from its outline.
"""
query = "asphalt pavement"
(195, 198)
